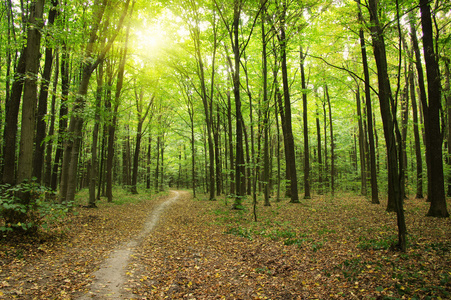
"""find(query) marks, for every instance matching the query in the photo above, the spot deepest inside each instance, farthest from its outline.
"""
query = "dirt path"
(110, 277)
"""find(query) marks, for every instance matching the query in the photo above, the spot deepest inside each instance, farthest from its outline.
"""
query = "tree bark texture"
(434, 136)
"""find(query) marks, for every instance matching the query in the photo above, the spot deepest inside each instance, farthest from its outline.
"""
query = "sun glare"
(150, 40)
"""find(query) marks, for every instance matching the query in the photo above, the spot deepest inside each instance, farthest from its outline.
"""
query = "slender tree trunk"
(38, 156)
(148, 156)
(141, 118)
(49, 148)
(230, 141)
(291, 157)
(447, 91)
(332, 145)
(62, 123)
(11, 118)
(193, 153)
(157, 166)
(102, 165)
(422, 92)
(207, 109)
(361, 144)
(277, 149)
(320, 157)
(306, 140)
(326, 165)
(416, 133)
(247, 182)
(110, 155)
(239, 162)
(369, 115)
(404, 121)
(162, 162)
(126, 160)
(217, 155)
(133, 187)
(95, 136)
(265, 103)
(389, 120)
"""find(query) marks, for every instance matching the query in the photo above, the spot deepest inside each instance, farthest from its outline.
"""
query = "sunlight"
(151, 40)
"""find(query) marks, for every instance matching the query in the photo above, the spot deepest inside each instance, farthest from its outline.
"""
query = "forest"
(249, 102)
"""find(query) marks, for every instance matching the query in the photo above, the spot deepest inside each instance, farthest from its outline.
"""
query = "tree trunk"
(447, 91)
(95, 136)
(265, 112)
(133, 188)
(326, 165)
(148, 164)
(126, 160)
(416, 133)
(70, 161)
(422, 91)
(305, 121)
(193, 154)
(239, 162)
(361, 144)
(247, 167)
(230, 140)
(11, 117)
(27, 129)
(388, 119)
(141, 118)
(276, 114)
(332, 145)
(157, 165)
(48, 155)
(217, 155)
(62, 123)
(404, 121)
(369, 115)
(291, 157)
(434, 138)
(38, 156)
(320, 156)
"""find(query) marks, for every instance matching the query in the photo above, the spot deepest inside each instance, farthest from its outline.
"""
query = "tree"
(24, 169)
(71, 151)
(304, 118)
(432, 109)
(38, 155)
(388, 113)
(369, 112)
(291, 158)
(141, 116)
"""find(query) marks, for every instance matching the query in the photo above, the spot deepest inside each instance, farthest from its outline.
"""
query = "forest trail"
(111, 275)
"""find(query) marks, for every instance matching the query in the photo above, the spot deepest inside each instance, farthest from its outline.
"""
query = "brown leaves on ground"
(59, 264)
(323, 248)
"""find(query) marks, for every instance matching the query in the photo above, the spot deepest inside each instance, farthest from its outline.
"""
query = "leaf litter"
(324, 248)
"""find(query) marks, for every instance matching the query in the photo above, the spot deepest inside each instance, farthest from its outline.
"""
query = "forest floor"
(323, 248)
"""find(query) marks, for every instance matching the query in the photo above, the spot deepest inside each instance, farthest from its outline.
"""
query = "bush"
(25, 209)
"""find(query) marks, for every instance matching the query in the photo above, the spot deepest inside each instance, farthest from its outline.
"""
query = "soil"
(111, 276)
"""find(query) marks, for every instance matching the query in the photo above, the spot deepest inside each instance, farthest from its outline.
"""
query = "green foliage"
(376, 244)
(25, 208)
(239, 231)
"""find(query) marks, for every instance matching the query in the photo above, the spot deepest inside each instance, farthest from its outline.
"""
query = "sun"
(150, 40)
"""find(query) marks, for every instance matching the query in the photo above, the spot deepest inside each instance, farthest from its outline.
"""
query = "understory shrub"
(29, 207)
